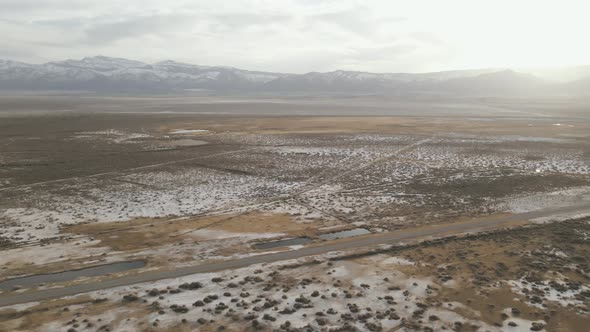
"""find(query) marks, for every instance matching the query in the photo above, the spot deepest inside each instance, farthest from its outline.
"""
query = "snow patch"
(188, 131)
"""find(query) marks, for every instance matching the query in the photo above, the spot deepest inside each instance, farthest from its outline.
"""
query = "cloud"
(359, 20)
(107, 31)
(228, 22)
(383, 52)
(292, 36)
(28, 6)
(299, 35)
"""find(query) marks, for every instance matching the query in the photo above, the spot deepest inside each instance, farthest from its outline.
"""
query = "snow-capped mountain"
(106, 74)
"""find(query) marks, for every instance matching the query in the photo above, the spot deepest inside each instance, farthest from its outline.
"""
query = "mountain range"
(102, 74)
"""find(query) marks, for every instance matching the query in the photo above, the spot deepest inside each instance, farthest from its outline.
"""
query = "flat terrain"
(187, 183)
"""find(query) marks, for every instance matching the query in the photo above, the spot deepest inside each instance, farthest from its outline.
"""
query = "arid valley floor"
(303, 214)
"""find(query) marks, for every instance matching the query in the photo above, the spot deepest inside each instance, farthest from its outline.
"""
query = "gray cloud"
(112, 30)
(294, 35)
(359, 20)
(388, 52)
(66, 24)
(234, 21)
(36, 6)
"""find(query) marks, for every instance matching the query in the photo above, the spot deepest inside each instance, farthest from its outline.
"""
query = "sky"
(300, 36)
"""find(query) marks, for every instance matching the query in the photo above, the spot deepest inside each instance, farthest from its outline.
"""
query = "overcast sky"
(303, 35)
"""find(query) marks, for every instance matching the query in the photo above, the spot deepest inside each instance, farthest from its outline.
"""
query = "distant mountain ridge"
(107, 74)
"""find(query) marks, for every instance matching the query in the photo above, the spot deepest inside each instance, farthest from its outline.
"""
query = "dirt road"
(364, 241)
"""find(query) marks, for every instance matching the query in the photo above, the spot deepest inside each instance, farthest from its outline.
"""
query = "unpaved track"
(358, 167)
(385, 238)
(122, 171)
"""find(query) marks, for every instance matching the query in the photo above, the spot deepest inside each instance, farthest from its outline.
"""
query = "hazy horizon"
(122, 57)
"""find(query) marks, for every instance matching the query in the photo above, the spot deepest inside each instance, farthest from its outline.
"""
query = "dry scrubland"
(181, 181)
